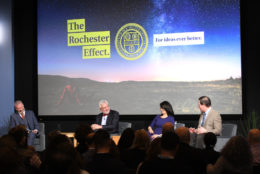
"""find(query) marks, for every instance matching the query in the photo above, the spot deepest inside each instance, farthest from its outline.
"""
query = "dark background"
(25, 55)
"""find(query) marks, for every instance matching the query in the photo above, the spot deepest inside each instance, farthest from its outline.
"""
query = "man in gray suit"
(210, 121)
(25, 117)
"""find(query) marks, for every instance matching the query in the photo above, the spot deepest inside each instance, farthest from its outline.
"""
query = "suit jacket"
(112, 121)
(213, 122)
(29, 120)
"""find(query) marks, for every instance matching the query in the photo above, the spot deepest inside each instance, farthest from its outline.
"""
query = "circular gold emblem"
(131, 41)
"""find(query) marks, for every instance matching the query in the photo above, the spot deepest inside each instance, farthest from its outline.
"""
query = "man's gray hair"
(17, 102)
(101, 102)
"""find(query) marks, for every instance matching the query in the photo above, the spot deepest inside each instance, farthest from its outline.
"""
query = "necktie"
(203, 119)
(22, 116)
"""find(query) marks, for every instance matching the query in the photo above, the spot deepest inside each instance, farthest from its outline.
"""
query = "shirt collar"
(207, 112)
(21, 114)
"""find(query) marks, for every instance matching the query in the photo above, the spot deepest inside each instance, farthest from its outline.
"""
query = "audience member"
(167, 113)
(125, 142)
(168, 127)
(11, 161)
(235, 157)
(165, 162)
(137, 152)
(89, 154)
(104, 161)
(63, 158)
(210, 121)
(187, 154)
(58, 139)
(81, 135)
(29, 156)
(184, 134)
(153, 149)
(20, 134)
(108, 119)
(8, 141)
(210, 155)
(254, 142)
(52, 136)
(114, 149)
(126, 139)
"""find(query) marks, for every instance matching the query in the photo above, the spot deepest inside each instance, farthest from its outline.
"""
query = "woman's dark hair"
(126, 139)
(167, 107)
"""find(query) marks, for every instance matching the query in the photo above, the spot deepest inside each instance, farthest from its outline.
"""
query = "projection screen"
(138, 53)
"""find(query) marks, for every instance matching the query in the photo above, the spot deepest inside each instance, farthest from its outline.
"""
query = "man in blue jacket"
(27, 118)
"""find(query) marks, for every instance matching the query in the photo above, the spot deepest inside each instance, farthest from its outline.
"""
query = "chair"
(123, 125)
(71, 136)
(228, 130)
(39, 141)
(177, 125)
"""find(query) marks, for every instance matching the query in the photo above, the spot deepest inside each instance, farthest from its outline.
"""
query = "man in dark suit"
(108, 119)
(25, 117)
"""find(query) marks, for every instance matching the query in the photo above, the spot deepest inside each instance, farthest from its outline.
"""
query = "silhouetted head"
(169, 141)
(210, 139)
(184, 134)
(126, 138)
(254, 136)
(237, 152)
(167, 127)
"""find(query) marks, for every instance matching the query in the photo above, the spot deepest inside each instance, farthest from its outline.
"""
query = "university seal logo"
(131, 41)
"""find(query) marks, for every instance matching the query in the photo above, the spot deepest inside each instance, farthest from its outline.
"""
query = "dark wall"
(25, 52)
(25, 49)
(250, 63)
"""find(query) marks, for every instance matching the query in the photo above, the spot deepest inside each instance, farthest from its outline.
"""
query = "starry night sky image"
(220, 55)
(179, 74)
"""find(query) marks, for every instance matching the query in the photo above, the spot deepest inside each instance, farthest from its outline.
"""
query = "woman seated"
(167, 113)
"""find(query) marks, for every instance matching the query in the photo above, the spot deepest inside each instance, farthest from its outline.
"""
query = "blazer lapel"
(200, 120)
(208, 117)
(18, 116)
(109, 118)
(27, 120)
(99, 118)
